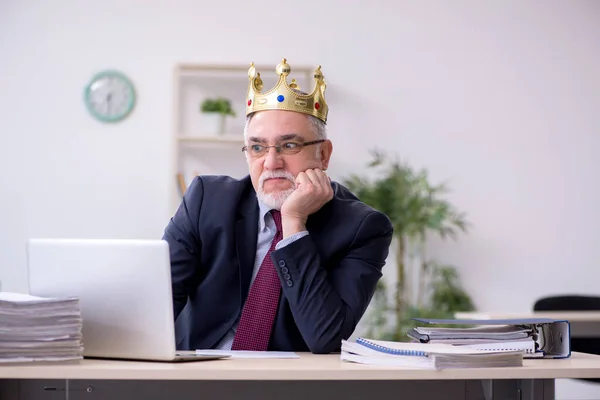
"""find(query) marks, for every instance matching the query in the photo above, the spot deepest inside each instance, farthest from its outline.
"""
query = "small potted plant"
(215, 111)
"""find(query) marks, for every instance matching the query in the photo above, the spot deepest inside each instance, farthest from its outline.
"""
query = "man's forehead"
(297, 137)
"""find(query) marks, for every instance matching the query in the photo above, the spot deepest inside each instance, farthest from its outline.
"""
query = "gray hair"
(318, 127)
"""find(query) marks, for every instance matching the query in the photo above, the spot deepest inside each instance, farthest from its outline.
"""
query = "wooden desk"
(583, 323)
(318, 376)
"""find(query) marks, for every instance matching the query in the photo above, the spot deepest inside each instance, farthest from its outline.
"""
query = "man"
(283, 259)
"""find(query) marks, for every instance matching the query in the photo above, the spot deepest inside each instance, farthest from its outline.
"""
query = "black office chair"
(589, 345)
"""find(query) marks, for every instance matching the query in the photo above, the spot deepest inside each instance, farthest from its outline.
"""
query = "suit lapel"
(246, 233)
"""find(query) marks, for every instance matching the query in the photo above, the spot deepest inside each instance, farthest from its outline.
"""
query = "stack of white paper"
(39, 329)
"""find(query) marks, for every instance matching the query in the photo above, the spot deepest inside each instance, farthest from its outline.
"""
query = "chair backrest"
(567, 303)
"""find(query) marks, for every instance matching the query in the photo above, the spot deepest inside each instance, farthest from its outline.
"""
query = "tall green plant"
(417, 210)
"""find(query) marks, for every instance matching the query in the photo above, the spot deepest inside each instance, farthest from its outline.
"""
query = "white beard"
(274, 200)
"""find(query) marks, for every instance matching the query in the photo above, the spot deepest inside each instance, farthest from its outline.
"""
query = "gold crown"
(284, 96)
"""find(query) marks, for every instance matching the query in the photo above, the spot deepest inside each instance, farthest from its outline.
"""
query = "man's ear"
(325, 154)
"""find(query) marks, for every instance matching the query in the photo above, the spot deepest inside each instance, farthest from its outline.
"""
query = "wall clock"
(110, 96)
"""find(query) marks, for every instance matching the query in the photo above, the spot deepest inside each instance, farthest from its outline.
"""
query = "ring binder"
(549, 338)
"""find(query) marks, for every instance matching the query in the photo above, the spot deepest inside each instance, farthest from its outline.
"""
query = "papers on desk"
(537, 337)
(426, 356)
(39, 329)
(250, 354)
(479, 334)
(488, 343)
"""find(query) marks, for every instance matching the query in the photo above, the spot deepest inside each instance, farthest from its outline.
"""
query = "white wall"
(501, 99)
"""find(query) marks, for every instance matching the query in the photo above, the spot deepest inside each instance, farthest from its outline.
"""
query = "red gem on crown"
(249, 101)
(317, 106)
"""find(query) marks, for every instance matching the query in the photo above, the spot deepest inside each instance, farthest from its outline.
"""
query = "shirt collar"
(263, 211)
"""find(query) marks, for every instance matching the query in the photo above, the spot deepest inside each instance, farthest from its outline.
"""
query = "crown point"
(318, 74)
(251, 71)
(283, 68)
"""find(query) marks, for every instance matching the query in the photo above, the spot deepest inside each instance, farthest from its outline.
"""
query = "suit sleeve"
(327, 303)
(185, 246)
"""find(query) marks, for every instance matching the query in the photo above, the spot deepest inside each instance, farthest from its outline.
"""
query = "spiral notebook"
(427, 356)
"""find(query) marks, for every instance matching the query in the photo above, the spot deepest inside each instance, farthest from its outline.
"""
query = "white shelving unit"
(200, 150)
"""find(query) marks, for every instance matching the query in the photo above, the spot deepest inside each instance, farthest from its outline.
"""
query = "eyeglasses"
(287, 148)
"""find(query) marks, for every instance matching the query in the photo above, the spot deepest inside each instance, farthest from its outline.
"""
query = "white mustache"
(276, 174)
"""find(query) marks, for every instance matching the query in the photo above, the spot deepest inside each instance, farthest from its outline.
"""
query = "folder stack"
(482, 343)
(35, 329)
(537, 337)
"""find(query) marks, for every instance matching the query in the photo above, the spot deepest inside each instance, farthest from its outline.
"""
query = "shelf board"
(195, 68)
(189, 73)
(212, 139)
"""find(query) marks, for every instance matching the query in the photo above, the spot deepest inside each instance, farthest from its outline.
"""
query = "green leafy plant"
(218, 105)
(424, 287)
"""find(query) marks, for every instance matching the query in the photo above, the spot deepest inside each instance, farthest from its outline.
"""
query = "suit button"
(284, 270)
(290, 283)
(287, 276)
(281, 263)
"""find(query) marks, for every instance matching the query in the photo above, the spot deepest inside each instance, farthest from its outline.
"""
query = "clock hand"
(108, 100)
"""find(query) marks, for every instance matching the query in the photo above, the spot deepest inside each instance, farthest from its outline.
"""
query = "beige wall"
(499, 98)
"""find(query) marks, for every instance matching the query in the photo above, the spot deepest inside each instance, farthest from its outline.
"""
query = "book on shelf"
(426, 355)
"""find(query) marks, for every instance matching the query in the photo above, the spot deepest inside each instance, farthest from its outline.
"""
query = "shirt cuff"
(290, 239)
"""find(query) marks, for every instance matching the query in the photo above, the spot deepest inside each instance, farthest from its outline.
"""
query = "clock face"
(110, 96)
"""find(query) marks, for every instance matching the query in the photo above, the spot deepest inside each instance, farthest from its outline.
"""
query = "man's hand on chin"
(313, 190)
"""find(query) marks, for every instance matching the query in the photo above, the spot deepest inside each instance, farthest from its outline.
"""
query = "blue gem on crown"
(280, 98)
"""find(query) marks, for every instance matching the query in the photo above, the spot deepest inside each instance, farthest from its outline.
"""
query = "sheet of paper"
(251, 354)
(21, 297)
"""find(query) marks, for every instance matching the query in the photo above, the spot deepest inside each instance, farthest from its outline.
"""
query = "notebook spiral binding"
(387, 350)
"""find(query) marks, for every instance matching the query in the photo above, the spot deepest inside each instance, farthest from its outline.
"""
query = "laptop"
(124, 290)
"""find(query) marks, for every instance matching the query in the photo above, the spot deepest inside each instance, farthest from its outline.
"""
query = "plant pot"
(213, 123)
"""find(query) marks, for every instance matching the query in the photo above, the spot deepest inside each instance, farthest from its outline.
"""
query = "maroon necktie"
(254, 329)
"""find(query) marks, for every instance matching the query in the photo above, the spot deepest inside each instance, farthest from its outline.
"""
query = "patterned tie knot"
(277, 218)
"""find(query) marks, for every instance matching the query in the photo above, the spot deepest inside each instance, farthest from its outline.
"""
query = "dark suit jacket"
(333, 270)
